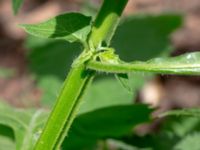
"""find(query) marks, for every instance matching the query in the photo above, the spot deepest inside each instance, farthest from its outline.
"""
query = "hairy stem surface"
(63, 112)
(78, 79)
(106, 22)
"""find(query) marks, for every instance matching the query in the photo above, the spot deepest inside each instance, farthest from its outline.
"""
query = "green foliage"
(26, 125)
(190, 142)
(99, 97)
(108, 122)
(70, 26)
(16, 4)
(143, 37)
(7, 143)
(6, 138)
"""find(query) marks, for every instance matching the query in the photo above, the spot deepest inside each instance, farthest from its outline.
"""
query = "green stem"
(106, 22)
(63, 113)
(78, 79)
(183, 69)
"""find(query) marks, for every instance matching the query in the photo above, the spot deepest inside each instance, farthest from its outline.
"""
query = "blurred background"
(33, 69)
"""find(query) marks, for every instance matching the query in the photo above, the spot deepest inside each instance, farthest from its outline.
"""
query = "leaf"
(50, 86)
(191, 112)
(58, 56)
(6, 138)
(109, 122)
(190, 142)
(69, 26)
(7, 143)
(51, 57)
(16, 4)
(187, 64)
(26, 124)
(103, 93)
(145, 36)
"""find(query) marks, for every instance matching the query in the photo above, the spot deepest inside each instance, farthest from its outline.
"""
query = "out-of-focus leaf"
(6, 138)
(6, 143)
(50, 57)
(70, 26)
(173, 130)
(143, 37)
(16, 4)
(50, 61)
(26, 124)
(50, 86)
(103, 93)
(109, 122)
(190, 142)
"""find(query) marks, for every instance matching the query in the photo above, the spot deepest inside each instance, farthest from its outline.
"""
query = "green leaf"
(190, 112)
(6, 138)
(16, 4)
(145, 36)
(50, 73)
(7, 143)
(51, 57)
(109, 122)
(103, 93)
(26, 124)
(187, 64)
(190, 142)
(70, 26)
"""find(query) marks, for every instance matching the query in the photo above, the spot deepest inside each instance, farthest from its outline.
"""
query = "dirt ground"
(168, 91)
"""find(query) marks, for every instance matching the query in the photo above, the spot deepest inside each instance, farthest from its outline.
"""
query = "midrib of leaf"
(28, 135)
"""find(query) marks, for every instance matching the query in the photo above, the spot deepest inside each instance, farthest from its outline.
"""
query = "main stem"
(106, 22)
(62, 113)
(78, 79)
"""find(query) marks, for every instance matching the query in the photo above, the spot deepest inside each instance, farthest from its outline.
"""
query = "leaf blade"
(69, 26)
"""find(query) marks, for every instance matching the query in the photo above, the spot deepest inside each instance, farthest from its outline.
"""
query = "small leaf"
(191, 112)
(70, 26)
(26, 125)
(16, 4)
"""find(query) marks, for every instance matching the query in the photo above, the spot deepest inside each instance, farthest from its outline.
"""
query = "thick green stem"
(106, 22)
(162, 68)
(64, 111)
(78, 79)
